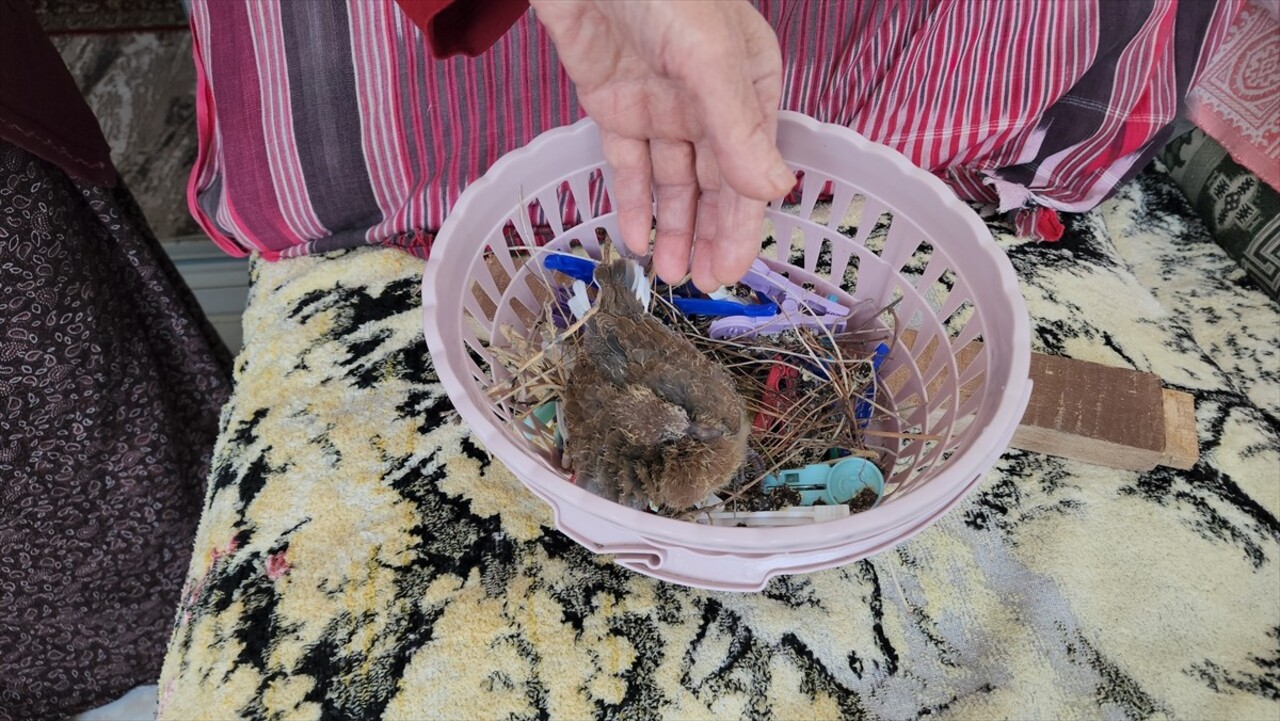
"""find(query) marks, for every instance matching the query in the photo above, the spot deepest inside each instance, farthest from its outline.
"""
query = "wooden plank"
(1182, 439)
(1092, 413)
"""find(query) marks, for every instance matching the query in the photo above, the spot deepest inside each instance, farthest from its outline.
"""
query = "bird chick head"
(650, 419)
(705, 434)
(653, 420)
(695, 468)
(698, 451)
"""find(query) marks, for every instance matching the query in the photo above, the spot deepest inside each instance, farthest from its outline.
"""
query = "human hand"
(686, 97)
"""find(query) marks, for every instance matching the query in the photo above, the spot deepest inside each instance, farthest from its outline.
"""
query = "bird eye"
(704, 432)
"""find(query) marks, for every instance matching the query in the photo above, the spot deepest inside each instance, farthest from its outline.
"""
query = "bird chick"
(647, 416)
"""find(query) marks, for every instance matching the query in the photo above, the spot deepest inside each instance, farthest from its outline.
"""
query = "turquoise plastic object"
(830, 483)
(546, 414)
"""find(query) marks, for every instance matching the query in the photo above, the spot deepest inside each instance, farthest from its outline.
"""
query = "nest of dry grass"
(820, 419)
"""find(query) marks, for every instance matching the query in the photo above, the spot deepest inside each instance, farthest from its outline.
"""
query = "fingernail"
(782, 178)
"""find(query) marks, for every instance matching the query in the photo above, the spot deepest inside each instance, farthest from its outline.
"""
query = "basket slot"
(526, 298)
(590, 241)
(769, 246)
(958, 306)
(810, 188)
(779, 205)
(798, 246)
(509, 321)
(942, 415)
(874, 281)
(522, 227)
(972, 370)
(910, 463)
(816, 246)
(956, 298)
(971, 399)
(843, 273)
(575, 244)
(972, 328)
(580, 189)
(784, 227)
(528, 315)
(970, 351)
(570, 205)
(534, 269)
(552, 211)
(934, 269)
(479, 316)
(502, 252)
(474, 341)
(941, 396)
(872, 211)
(601, 198)
(531, 288)
(472, 305)
(478, 328)
(905, 380)
(841, 199)
(488, 283)
(901, 243)
(933, 452)
(940, 366)
(606, 175)
(909, 459)
(544, 435)
(478, 371)
(478, 375)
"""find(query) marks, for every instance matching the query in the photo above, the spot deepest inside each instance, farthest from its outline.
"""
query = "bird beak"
(703, 432)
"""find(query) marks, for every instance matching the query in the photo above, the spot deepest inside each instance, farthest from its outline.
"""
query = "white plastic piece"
(793, 516)
(640, 285)
(579, 302)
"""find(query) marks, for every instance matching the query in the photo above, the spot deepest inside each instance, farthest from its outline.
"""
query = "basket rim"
(973, 460)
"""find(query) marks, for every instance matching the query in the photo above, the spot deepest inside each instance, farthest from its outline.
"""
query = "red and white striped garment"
(329, 125)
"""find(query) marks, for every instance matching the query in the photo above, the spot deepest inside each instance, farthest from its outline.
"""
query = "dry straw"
(833, 374)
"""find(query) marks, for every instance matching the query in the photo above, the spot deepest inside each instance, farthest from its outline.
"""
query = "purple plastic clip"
(561, 316)
(797, 308)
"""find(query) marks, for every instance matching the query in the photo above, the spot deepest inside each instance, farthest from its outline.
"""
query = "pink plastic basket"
(928, 250)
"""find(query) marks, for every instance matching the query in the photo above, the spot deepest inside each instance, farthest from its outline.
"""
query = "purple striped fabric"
(328, 125)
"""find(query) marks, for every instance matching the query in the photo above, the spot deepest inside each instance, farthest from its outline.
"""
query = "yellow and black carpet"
(360, 557)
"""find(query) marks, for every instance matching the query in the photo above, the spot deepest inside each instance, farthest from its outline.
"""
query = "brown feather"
(636, 397)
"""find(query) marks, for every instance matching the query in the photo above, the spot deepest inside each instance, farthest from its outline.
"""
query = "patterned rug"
(106, 16)
(361, 557)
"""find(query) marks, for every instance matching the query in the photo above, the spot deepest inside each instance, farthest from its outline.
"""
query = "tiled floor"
(137, 705)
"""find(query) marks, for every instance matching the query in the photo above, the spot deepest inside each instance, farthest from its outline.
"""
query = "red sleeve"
(467, 27)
